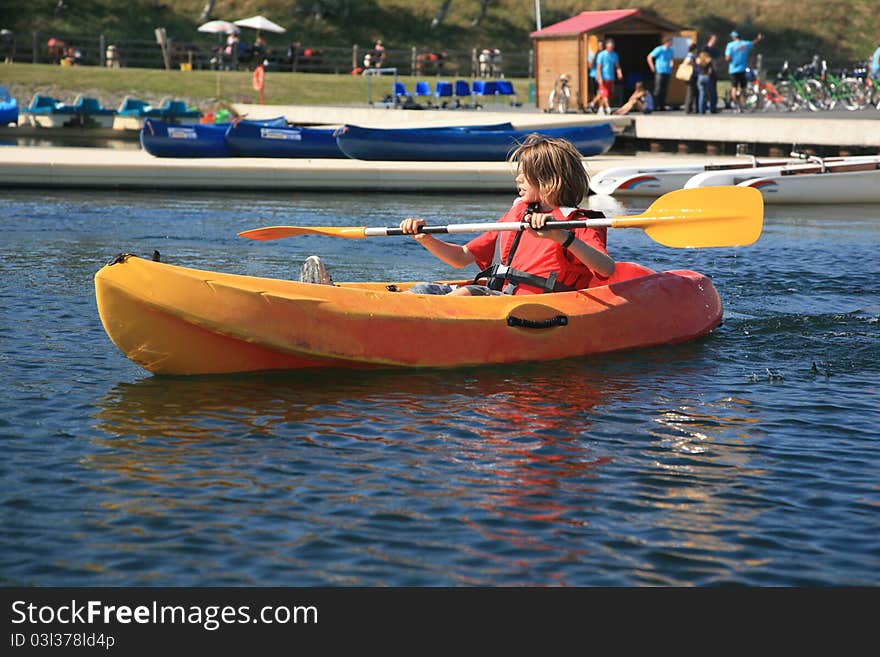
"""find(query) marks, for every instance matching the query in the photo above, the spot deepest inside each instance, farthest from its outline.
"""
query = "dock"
(128, 168)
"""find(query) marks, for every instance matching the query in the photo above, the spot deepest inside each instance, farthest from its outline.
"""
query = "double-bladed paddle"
(685, 218)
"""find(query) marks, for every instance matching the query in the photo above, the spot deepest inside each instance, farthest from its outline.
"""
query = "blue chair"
(443, 90)
(400, 90)
(485, 87)
(505, 88)
(423, 90)
(462, 89)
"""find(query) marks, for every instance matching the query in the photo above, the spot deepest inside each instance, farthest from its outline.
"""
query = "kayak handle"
(559, 320)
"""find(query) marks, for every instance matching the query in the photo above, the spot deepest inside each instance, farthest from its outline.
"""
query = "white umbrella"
(261, 23)
(219, 27)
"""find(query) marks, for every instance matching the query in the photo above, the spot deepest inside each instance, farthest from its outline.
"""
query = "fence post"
(35, 51)
(354, 57)
(102, 49)
(412, 62)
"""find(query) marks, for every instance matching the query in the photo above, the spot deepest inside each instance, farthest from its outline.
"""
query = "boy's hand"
(537, 220)
(411, 227)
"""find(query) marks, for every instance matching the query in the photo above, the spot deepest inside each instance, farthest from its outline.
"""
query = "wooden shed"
(565, 47)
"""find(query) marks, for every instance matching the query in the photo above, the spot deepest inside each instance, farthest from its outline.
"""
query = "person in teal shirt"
(875, 64)
(607, 66)
(737, 55)
(660, 63)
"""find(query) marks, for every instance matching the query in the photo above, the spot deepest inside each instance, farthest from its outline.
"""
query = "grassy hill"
(839, 30)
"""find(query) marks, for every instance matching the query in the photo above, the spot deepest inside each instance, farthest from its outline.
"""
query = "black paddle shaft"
(522, 226)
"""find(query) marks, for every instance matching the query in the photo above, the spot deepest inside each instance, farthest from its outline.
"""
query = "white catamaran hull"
(737, 176)
(827, 187)
(656, 181)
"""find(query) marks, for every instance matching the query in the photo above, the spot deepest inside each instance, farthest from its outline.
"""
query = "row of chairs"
(460, 90)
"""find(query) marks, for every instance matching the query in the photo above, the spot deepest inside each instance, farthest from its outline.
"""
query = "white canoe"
(656, 181)
(736, 176)
(844, 183)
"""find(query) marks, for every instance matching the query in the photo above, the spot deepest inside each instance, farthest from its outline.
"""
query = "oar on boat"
(684, 218)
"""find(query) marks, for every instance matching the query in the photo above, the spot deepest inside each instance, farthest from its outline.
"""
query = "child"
(640, 100)
(551, 181)
(560, 95)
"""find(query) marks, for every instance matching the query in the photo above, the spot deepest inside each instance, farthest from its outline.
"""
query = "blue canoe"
(163, 139)
(252, 139)
(9, 108)
(474, 143)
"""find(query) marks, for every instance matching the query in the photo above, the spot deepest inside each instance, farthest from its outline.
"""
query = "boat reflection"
(515, 454)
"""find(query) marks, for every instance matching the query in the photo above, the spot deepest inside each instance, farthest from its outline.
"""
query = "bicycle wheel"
(773, 99)
(789, 95)
(813, 95)
(853, 94)
(749, 99)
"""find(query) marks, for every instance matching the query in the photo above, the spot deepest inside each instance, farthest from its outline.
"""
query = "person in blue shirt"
(607, 66)
(737, 55)
(875, 64)
(592, 83)
(660, 63)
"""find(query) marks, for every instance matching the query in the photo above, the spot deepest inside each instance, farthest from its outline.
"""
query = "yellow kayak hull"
(175, 320)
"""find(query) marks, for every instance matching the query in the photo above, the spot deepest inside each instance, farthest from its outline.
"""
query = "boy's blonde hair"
(553, 166)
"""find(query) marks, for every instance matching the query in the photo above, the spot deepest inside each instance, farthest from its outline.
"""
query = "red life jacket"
(520, 263)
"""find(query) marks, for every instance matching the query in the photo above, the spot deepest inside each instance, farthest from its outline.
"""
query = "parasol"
(261, 23)
(219, 27)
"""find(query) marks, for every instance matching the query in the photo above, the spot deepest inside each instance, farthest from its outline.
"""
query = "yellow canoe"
(175, 320)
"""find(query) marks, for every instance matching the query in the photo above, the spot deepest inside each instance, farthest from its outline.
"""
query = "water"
(749, 457)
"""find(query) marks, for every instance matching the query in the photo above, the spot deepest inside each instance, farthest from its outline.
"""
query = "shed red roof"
(586, 21)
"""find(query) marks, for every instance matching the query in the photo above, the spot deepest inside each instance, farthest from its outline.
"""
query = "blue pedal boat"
(9, 108)
(86, 112)
(133, 111)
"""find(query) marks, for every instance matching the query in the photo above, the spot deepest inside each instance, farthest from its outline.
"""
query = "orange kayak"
(175, 320)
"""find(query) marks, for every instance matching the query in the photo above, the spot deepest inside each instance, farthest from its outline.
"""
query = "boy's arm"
(454, 255)
(599, 262)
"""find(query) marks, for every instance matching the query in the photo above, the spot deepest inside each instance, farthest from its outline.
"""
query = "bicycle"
(870, 87)
(759, 95)
(844, 90)
(800, 88)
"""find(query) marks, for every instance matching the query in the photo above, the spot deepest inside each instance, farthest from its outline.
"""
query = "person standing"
(607, 67)
(737, 55)
(875, 64)
(705, 70)
(259, 80)
(660, 63)
(712, 50)
(378, 54)
(592, 84)
(691, 98)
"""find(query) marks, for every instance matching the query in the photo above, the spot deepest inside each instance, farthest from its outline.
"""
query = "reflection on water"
(512, 458)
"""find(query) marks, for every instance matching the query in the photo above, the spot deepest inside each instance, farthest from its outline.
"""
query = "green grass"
(200, 88)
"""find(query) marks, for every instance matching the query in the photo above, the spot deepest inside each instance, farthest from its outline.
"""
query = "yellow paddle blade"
(701, 217)
(277, 232)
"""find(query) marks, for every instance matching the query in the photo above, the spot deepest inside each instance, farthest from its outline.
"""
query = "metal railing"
(208, 53)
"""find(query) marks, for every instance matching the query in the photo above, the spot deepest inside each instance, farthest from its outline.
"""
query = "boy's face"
(527, 191)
